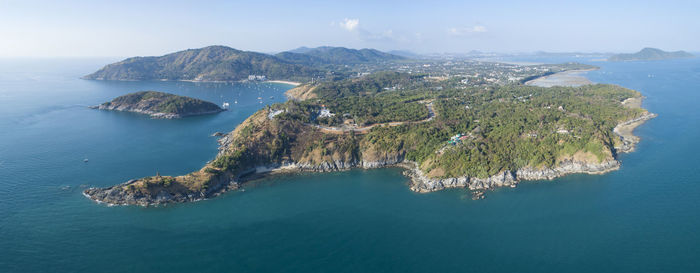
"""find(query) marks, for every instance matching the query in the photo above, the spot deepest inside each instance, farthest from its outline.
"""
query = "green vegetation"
(511, 127)
(474, 130)
(160, 103)
(373, 110)
(213, 63)
(370, 85)
(502, 127)
(336, 56)
(221, 63)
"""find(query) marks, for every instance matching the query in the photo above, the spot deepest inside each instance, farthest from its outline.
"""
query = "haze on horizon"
(142, 28)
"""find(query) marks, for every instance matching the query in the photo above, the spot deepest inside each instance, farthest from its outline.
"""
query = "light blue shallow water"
(643, 218)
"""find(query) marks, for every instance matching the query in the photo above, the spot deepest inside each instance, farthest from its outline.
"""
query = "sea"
(643, 218)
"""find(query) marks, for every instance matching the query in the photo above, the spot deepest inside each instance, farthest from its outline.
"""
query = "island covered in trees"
(160, 105)
(446, 131)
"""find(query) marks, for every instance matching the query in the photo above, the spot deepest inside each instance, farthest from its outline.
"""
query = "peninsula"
(650, 54)
(445, 133)
(160, 105)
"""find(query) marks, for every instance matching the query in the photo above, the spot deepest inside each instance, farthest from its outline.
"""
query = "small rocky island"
(160, 105)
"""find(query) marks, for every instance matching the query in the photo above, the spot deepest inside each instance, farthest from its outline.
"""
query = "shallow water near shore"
(642, 218)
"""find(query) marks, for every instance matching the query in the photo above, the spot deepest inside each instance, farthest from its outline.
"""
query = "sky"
(145, 28)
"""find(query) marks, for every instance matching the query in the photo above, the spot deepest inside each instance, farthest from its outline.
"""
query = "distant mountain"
(301, 50)
(405, 53)
(336, 55)
(212, 63)
(300, 58)
(648, 54)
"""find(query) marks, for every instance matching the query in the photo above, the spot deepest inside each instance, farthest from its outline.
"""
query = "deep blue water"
(642, 218)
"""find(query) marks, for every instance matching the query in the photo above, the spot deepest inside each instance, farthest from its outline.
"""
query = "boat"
(85, 160)
(225, 105)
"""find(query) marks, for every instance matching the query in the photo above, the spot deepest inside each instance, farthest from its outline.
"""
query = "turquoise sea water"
(642, 218)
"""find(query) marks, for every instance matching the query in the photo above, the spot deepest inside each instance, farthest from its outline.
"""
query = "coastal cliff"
(160, 105)
(211, 181)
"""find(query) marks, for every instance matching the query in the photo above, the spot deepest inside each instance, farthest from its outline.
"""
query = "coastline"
(423, 184)
(418, 181)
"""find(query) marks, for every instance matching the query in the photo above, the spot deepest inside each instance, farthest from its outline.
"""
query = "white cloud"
(350, 24)
(467, 30)
(353, 26)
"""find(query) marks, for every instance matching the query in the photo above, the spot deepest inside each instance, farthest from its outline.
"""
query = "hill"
(336, 55)
(212, 63)
(649, 54)
(160, 105)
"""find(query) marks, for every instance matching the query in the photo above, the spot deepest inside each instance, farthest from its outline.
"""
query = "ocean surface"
(643, 218)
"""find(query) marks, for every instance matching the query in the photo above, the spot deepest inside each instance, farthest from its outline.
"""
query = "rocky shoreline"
(628, 139)
(160, 105)
(117, 195)
(419, 182)
(154, 114)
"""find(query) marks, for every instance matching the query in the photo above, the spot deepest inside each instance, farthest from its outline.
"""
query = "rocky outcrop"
(624, 131)
(122, 195)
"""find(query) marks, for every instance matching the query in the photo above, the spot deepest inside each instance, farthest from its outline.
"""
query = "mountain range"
(222, 63)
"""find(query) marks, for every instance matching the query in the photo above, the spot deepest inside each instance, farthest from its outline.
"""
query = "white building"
(325, 113)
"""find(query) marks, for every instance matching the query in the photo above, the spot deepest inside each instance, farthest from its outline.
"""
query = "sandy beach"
(286, 82)
(566, 78)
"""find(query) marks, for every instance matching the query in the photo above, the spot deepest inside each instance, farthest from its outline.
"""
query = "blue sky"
(129, 28)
